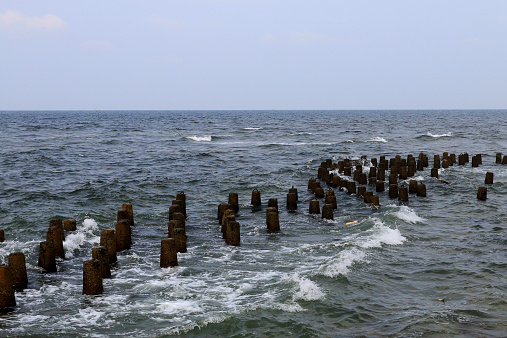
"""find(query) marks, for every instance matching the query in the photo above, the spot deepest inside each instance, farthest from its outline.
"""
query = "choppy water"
(380, 276)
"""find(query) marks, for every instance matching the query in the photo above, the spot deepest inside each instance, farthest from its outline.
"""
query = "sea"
(434, 266)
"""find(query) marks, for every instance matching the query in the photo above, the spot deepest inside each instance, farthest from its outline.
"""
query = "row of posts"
(227, 212)
(176, 241)
(13, 276)
(112, 241)
(399, 168)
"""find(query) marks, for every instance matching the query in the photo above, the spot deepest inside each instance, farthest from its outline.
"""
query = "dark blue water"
(383, 275)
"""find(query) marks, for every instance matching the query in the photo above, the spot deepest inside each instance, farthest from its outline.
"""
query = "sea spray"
(84, 234)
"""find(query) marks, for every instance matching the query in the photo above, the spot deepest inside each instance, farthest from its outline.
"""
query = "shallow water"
(383, 275)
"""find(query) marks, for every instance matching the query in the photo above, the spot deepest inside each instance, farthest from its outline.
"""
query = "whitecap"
(253, 128)
(438, 135)
(408, 215)
(205, 138)
(381, 234)
(340, 265)
(307, 290)
(378, 139)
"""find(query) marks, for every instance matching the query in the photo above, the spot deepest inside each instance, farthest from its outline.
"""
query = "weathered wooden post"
(327, 211)
(92, 278)
(489, 178)
(55, 236)
(233, 233)
(17, 265)
(130, 211)
(7, 296)
(100, 253)
(234, 201)
(421, 190)
(168, 253)
(314, 206)
(69, 224)
(123, 236)
(403, 194)
(482, 193)
(256, 198)
(108, 240)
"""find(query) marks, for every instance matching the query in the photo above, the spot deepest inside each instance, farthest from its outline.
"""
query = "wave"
(301, 133)
(307, 290)
(381, 234)
(253, 128)
(340, 265)
(428, 134)
(375, 237)
(408, 215)
(377, 139)
(205, 138)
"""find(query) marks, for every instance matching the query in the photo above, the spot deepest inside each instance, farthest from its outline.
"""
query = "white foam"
(253, 128)
(307, 290)
(438, 135)
(84, 234)
(408, 215)
(378, 139)
(205, 138)
(340, 265)
(381, 234)
(294, 307)
(174, 307)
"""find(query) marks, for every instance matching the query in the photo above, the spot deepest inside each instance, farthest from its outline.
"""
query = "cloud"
(306, 37)
(97, 45)
(15, 20)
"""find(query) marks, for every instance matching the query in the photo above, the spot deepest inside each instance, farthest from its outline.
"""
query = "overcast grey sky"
(248, 54)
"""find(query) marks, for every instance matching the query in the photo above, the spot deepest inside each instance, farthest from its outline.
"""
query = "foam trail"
(253, 128)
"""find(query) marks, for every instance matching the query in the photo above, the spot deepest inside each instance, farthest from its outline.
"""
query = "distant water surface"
(381, 276)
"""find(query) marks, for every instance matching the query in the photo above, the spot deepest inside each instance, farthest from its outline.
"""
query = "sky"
(249, 54)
